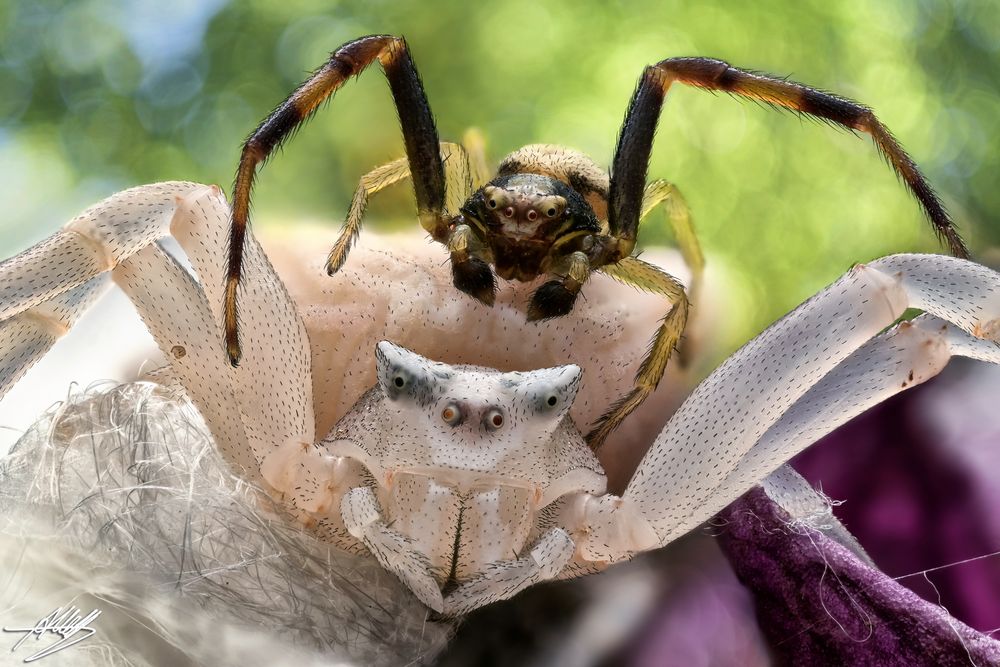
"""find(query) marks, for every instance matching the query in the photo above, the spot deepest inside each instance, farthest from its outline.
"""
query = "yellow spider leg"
(458, 187)
(458, 176)
(645, 276)
(666, 193)
(475, 146)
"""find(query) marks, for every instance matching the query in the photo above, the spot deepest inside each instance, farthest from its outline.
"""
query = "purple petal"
(818, 604)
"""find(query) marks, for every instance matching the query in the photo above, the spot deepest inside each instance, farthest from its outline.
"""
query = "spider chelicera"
(549, 211)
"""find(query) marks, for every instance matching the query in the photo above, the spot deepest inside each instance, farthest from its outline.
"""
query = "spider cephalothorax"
(550, 213)
(524, 225)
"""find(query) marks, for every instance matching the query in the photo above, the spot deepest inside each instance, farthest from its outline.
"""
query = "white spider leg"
(273, 383)
(90, 244)
(909, 354)
(506, 578)
(28, 335)
(794, 494)
(736, 405)
(393, 550)
(175, 311)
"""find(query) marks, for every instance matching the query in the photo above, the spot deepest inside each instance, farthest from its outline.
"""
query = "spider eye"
(552, 401)
(551, 213)
(399, 381)
(451, 415)
(492, 203)
(493, 419)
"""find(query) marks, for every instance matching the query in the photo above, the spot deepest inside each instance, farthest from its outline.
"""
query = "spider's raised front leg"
(459, 180)
(631, 160)
(419, 136)
(811, 371)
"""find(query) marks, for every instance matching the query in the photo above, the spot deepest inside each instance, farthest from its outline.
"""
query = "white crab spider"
(816, 368)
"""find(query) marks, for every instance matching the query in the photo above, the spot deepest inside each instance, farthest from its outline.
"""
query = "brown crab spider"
(549, 212)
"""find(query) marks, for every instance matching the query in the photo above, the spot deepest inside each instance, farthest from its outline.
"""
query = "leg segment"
(27, 336)
(666, 193)
(635, 272)
(505, 579)
(393, 550)
(46, 288)
(419, 135)
(372, 182)
(475, 147)
(458, 179)
(93, 242)
(177, 314)
(903, 357)
(628, 171)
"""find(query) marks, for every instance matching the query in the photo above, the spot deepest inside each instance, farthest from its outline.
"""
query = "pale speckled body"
(466, 493)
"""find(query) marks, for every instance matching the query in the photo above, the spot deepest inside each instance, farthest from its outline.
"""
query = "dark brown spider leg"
(628, 172)
(419, 136)
(645, 276)
(556, 297)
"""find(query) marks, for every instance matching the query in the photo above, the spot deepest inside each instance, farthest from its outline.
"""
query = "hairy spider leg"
(419, 136)
(643, 275)
(475, 146)
(459, 180)
(628, 171)
(664, 193)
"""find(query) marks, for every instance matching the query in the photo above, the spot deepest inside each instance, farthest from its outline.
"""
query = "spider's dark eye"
(551, 213)
(552, 401)
(399, 381)
(492, 203)
(493, 419)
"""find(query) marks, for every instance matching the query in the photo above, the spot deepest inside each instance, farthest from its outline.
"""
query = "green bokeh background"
(98, 95)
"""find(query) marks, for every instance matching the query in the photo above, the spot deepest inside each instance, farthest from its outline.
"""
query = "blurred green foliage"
(98, 95)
